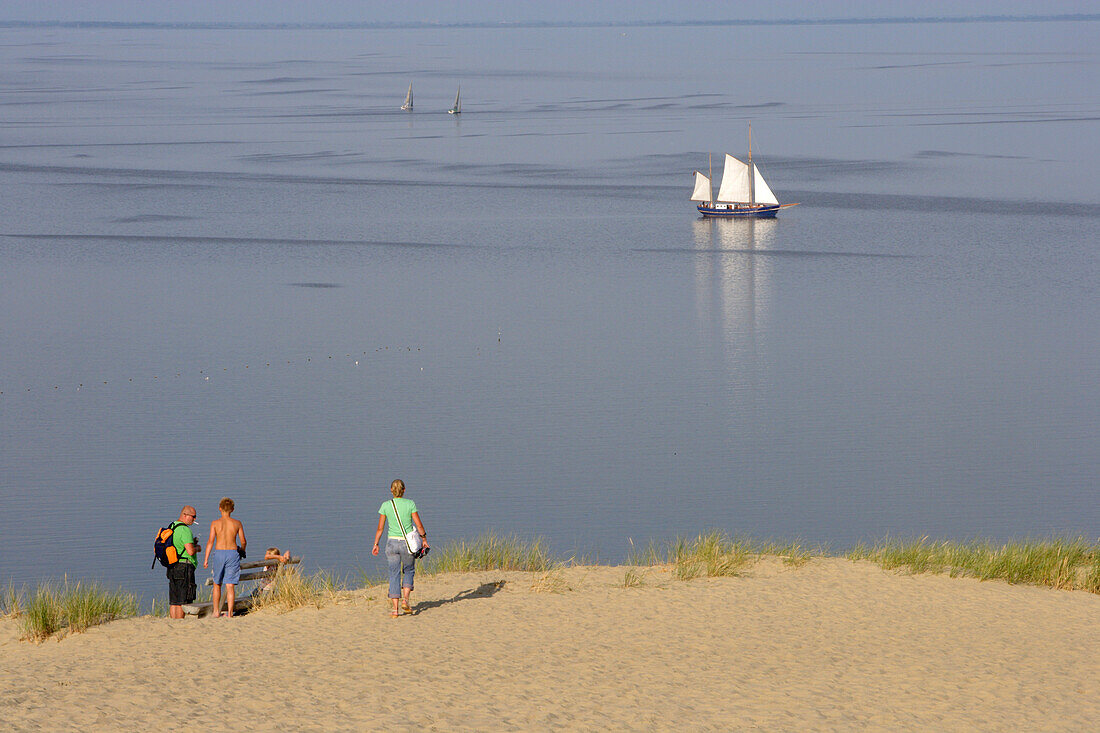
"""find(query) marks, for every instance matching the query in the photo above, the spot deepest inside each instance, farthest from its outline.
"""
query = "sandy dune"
(833, 645)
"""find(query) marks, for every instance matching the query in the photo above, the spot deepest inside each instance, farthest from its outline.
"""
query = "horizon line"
(418, 25)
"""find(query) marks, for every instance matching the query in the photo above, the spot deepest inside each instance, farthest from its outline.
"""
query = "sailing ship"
(457, 109)
(743, 192)
(408, 99)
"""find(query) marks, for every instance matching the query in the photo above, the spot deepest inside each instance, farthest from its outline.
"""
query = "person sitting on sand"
(272, 553)
(226, 554)
(401, 563)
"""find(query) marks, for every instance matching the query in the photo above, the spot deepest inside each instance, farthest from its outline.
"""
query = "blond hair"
(226, 505)
(397, 488)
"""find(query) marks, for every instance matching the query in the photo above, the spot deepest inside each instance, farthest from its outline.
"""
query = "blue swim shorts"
(226, 566)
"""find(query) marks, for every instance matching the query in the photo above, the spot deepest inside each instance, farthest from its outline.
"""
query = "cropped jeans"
(402, 565)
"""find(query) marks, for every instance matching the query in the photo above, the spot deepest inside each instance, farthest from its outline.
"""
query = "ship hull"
(740, 211)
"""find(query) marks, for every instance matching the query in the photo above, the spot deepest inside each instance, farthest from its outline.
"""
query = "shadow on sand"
(485, 590)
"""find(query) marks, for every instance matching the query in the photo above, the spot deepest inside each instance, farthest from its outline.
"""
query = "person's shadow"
(485, 590)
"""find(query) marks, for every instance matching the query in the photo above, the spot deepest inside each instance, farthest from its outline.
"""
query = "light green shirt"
(405, 509)
(181, 537)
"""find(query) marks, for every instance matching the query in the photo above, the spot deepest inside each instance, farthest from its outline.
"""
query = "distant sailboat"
(743, 192)
(408, 99)
(457, 109)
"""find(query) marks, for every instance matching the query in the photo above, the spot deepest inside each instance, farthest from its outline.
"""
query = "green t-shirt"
(405, 509)
(181, 537)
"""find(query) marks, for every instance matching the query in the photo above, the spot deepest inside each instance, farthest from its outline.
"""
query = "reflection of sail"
(731, 283)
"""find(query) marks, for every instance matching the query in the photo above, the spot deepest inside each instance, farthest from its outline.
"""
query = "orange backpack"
(163, 547)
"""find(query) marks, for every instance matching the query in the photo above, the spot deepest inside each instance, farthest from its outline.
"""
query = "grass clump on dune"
(490, 551)
(550, 581)
(11, 602)
(1067, 564)
(709, 555)
(633, 578)
(715, 554)
(793, 554)
(53, 607)
(292, 589)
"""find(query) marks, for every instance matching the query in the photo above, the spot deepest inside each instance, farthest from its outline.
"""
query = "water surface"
(229, 265)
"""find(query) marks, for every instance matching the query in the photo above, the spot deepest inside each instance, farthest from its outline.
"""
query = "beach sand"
(832, 645)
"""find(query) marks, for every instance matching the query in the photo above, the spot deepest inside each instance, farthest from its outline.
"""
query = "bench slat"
(263, 563)
(249, 576)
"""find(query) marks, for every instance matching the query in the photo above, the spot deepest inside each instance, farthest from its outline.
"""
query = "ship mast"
(710, 176)
(752, 172)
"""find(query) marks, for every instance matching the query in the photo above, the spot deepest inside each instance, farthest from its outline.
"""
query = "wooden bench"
(256, 570)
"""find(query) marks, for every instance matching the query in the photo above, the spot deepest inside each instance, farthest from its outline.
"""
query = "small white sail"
(764, 194)
(408, 99)
(703, 191)
(735, 182)
(457, 109)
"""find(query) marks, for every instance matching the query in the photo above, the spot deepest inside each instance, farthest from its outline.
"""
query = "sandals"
(405, 606)
(394, 614)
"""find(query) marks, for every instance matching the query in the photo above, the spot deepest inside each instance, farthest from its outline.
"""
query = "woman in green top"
(401, 563)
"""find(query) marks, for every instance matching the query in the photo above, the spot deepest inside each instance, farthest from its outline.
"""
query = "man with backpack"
(181, 574)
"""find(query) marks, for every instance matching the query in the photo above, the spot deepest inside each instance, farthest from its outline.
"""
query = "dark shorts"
(181, 584)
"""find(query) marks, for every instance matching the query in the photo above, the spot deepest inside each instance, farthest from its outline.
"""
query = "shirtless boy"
(223, 549)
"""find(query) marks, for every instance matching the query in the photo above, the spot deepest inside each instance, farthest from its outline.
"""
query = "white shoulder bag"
(412, 537)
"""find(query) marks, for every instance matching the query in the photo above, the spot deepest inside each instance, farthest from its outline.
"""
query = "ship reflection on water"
(732, 288)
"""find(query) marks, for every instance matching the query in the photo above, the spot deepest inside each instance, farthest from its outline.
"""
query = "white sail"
(764, 194)
(457, 109)
(703, 191)
(735, 182)
(408, 99)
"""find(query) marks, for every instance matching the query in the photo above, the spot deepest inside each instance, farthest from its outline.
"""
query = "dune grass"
(52, 607)
(715, 554)
(11, 601)
(372, 577)
(159, 607)
(293, 589)
(490, 551)
(710, 555)
(633, 578)
(550, 581)
(1064, 563)
(794, 553)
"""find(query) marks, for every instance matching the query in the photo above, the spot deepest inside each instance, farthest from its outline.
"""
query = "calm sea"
(230, 266)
